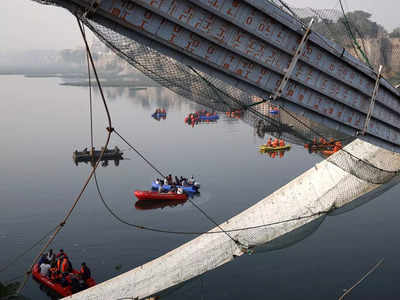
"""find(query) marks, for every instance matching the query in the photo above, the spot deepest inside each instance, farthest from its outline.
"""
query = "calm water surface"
(42, 123)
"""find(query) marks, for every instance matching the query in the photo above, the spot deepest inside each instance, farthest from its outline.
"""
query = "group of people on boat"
(275, 148)
(201, 116)
(160, 111)
(235, 114)
(275, 143)
(176, 184)
(58, 269)
(324, 146)
(159, 114)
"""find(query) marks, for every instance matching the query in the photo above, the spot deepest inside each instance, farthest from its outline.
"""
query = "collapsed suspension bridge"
(238, 55)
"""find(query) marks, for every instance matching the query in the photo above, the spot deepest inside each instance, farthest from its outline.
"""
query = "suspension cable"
(159, 230)
(18, 257)
(159, 172)
(140, 154)
(90, 96)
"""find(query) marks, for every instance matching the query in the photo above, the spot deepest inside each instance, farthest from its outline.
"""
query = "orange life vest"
(65, 265)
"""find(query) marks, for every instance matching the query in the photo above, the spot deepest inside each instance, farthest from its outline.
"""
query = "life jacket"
(65, 266)
(59, 264)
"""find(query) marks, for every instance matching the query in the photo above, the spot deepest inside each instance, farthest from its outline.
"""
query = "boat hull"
(279, 148)
(150, 195)
(57, 287)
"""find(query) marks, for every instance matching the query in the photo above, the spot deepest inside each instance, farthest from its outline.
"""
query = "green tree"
(395, 33)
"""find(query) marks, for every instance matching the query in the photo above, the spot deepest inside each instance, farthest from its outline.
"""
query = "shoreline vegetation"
(80, 79)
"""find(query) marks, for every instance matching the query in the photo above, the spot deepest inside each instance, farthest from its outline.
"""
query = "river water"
(42, 123)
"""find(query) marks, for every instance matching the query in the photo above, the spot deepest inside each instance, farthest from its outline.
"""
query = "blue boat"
(158, 116)
(189, 188)
(209, 118)
(274, 111)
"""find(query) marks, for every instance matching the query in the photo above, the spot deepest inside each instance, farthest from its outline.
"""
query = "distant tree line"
(358, 22)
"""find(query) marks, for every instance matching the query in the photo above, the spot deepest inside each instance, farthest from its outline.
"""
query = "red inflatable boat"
(57, 287)
(149, 195)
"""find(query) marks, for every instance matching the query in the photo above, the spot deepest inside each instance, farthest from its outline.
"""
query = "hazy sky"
(28, 25)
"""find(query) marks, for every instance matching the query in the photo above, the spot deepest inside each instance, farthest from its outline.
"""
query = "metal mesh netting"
(355, 30)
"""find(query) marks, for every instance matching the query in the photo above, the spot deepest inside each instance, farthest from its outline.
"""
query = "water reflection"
(234, 176)
(155, 204)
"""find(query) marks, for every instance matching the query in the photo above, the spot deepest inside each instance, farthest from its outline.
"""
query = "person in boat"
(269, 142)
(61, 254)
(275, 143)
(191, 180)
(281, 143)
(42, 259)
(51, 258)
(177, 181)
(184, 182)
(44, 268)
(64, 265)
(84, 272)
(165, 181)
(173, 189)
(169, 178)
(158, 182)
(179, 191)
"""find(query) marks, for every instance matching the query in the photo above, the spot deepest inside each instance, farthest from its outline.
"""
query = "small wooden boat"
(266, 148)
(55, 286)
(150, 195)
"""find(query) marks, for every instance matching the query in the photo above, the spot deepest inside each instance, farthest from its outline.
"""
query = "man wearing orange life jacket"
(269, 142)
(281, 143)
(64, 265)
(275, 143)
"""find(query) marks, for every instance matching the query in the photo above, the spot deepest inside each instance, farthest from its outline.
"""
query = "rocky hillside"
(383, 51)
